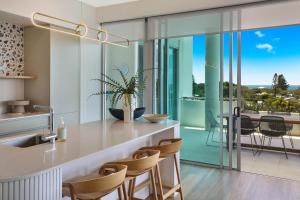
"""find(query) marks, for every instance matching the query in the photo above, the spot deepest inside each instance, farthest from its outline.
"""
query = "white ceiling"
(146, 8)
(101, 3)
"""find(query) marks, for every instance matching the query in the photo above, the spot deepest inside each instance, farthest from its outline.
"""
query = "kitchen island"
(37, 172)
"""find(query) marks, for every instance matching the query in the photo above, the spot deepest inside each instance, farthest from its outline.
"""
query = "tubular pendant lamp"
(98, 35)
(105, 39)
(77, 29)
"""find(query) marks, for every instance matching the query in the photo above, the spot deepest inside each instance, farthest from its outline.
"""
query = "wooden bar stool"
(168, 148)
(110, 178)
(143, 161)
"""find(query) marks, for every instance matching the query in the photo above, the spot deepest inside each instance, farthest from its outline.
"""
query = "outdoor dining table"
(292, 119)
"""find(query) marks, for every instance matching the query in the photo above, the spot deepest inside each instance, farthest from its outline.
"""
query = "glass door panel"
(196, 83)
(231, 89)
(187, 89)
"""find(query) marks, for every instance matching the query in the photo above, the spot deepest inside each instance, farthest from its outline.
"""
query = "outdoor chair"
(272, 127)
(289, 126)
(255, 123)
(213, 125)
(248, 129)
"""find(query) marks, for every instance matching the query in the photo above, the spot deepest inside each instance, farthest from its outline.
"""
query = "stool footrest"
(142, 185)
(171, 190)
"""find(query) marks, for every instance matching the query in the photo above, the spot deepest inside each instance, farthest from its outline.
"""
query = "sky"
(264, 52)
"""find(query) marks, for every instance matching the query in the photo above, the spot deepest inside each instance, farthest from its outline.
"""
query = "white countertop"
(83, 140)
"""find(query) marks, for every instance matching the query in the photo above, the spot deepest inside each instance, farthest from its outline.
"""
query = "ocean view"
(291, 87)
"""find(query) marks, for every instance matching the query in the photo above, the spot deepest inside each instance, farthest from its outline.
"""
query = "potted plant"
(127, 90)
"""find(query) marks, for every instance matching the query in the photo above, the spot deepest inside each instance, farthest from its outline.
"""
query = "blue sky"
(264, 52)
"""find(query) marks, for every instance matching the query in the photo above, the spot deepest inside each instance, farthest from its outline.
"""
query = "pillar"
(212, 77)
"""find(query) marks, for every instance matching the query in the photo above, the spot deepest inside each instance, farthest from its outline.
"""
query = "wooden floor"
(214, 184)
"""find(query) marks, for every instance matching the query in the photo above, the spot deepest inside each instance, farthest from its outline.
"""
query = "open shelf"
(18, 77)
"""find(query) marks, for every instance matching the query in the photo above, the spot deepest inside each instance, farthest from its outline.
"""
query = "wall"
(10, 90)
(11, 63)
(11, 49)
(37, 62)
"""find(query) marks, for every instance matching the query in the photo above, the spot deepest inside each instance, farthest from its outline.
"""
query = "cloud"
(259, 34)
(269, 48)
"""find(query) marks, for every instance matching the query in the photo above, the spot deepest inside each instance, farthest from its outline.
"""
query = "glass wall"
(186, 68)
(202, 91)
(129, 61)
(188, 75)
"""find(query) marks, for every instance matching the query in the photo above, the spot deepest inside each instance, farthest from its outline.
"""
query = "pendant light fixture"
(77, 29)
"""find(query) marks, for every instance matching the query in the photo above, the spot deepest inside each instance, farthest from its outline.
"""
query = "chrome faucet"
(52, 136)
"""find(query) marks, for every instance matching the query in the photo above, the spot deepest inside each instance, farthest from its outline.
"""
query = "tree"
(194, 85)
(275, 84)
(282, 83)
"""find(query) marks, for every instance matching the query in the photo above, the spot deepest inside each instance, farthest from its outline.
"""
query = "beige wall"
(10, 89)
(37, 62)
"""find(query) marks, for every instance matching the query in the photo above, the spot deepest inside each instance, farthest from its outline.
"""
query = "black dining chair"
(248, 129)
(255, 123)
(289, 126)
(272, 127)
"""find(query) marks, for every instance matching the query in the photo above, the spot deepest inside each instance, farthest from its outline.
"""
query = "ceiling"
(14, 19)
(101, 3)
(202, 3)
(146, 8)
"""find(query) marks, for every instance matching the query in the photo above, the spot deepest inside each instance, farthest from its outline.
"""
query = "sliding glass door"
(196, 83)
(195, 58)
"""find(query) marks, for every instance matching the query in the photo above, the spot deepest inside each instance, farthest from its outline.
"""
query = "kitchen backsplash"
(11, 49)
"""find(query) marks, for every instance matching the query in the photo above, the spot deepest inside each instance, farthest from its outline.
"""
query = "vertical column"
(212, 77)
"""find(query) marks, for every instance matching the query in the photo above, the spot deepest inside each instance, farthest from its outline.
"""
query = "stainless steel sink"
(25, 142)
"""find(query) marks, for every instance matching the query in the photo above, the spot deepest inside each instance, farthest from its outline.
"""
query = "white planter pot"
(128, 107)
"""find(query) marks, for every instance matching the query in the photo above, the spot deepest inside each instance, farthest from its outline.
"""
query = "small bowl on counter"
(155, 118)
